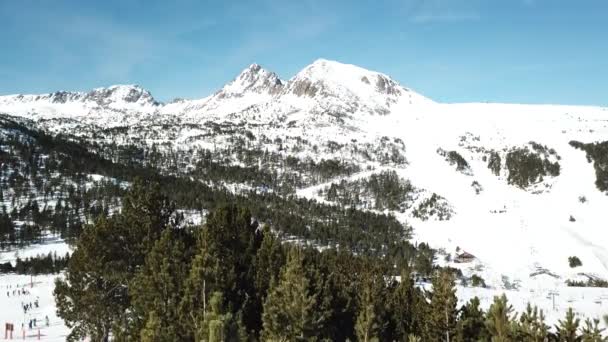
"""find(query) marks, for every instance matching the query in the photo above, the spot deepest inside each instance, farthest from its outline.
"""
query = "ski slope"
(39, 287)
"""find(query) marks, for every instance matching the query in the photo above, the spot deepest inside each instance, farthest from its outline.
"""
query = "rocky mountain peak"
(253, 79)
(121, 93)
(348, 88)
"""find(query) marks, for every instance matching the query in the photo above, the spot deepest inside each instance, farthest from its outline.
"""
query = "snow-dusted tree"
(567, 329)
(499, 320)
(592, 332)
(532, 327)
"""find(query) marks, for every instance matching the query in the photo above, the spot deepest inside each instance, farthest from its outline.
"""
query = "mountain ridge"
(328, 84)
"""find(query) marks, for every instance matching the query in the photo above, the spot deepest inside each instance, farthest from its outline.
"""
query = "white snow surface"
(37, 287)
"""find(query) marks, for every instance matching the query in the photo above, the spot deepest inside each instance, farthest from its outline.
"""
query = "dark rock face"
(260, 80)
(59, 97)
(304, 88)
(387, 86)
(64, 96)
(254, 79)
(104, 96)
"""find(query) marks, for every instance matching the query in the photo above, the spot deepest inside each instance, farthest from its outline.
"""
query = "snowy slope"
(39, 288)
(252, 86)
(520, 237)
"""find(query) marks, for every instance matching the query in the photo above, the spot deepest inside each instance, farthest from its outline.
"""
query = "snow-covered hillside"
(521, 228)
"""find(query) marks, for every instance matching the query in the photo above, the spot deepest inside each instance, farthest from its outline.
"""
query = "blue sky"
(532, 51)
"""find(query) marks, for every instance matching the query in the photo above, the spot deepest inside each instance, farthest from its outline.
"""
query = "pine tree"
(369, 325)
(471, 324)
(499, 320)
(269, 261)
(413, 338)
(342, 286)
(592, 332)
(94, 298)
(406, 314)
(152, 331)
(218, 326)
(194, 302)
(290, 308)
(224, 262)
(567, 329)
(442, 311)
(532, 327)
(158, 286)
(372, 318)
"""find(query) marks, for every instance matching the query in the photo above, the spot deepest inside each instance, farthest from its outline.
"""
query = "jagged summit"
(127, 93)
(253, 79)
(101, 96)
(113, 104)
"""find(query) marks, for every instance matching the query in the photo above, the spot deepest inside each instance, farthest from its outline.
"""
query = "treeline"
(381, 191)
(598, 154)
(527, 167)
(135, 276)
(267, 171)
(40, 264)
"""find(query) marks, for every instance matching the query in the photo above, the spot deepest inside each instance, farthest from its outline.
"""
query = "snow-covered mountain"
(97, 102)
(333, 86)
(252, 86)
(469, 160)
(322, 87)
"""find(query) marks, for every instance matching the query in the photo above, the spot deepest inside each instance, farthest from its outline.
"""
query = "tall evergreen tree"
(499, 320)
(407, 307)
(532, 327)
(270, 259)
(290, 309)
(93, 298)
(413, 338)
(224, 262)
(592, 332)
(342, 281)
(371, 319)
(158, 287)
(218, 325)
(567, 330)
(443, 311)
(471, 323)
(153, 329)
